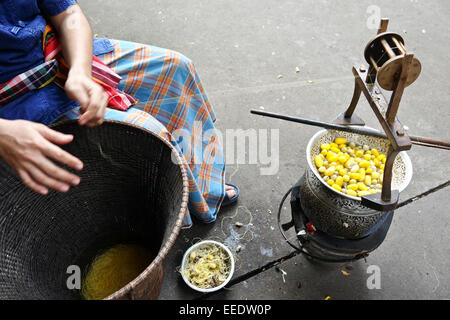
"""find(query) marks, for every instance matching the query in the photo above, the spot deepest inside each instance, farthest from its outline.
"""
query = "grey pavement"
(240, 48)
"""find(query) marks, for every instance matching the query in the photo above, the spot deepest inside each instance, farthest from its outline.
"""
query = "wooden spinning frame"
(392, 68)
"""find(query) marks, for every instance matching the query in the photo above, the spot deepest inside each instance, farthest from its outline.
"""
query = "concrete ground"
(240, 49)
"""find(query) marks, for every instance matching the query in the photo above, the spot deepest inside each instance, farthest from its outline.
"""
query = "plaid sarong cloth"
(173, 104)
(33, 79)
(56, 69)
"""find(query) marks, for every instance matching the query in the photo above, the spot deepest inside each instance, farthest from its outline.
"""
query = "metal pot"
(338, 214)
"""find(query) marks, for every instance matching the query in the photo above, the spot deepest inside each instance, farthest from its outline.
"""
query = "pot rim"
(405, 158)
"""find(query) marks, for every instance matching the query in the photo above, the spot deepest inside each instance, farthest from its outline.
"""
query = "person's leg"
(168, 87)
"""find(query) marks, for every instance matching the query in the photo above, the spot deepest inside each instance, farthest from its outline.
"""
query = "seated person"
(158, 89)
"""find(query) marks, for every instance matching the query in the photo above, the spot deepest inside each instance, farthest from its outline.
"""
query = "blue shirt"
(22, 25)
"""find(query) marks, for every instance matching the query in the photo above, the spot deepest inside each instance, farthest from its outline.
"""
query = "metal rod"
(421, 141)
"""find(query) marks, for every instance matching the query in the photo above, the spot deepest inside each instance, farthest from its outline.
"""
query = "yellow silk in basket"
(113, 269)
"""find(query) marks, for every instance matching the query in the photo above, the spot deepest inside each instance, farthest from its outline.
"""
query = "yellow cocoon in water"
(350, 168)
(113, 269)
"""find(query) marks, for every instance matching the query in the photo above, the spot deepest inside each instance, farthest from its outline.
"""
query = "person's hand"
(28, 147)
(90, 95)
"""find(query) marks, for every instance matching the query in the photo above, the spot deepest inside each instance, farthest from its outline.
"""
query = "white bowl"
(185, 261)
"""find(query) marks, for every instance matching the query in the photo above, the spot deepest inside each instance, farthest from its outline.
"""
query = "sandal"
(227, 201)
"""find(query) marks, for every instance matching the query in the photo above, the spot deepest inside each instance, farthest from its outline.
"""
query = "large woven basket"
(133, 188)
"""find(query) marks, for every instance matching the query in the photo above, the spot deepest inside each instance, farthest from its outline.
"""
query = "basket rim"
(405, 158)
(163, 251)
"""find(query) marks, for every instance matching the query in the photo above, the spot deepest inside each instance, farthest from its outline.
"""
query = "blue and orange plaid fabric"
(173, 104)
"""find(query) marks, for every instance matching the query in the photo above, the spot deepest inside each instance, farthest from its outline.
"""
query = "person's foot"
(231, 192)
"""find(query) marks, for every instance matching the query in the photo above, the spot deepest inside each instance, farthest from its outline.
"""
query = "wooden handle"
(383, 25)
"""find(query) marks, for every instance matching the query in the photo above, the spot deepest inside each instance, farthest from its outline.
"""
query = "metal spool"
(385, 54)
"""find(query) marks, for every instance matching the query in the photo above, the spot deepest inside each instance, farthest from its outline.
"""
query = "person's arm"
(28, 147)
(75, 36)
